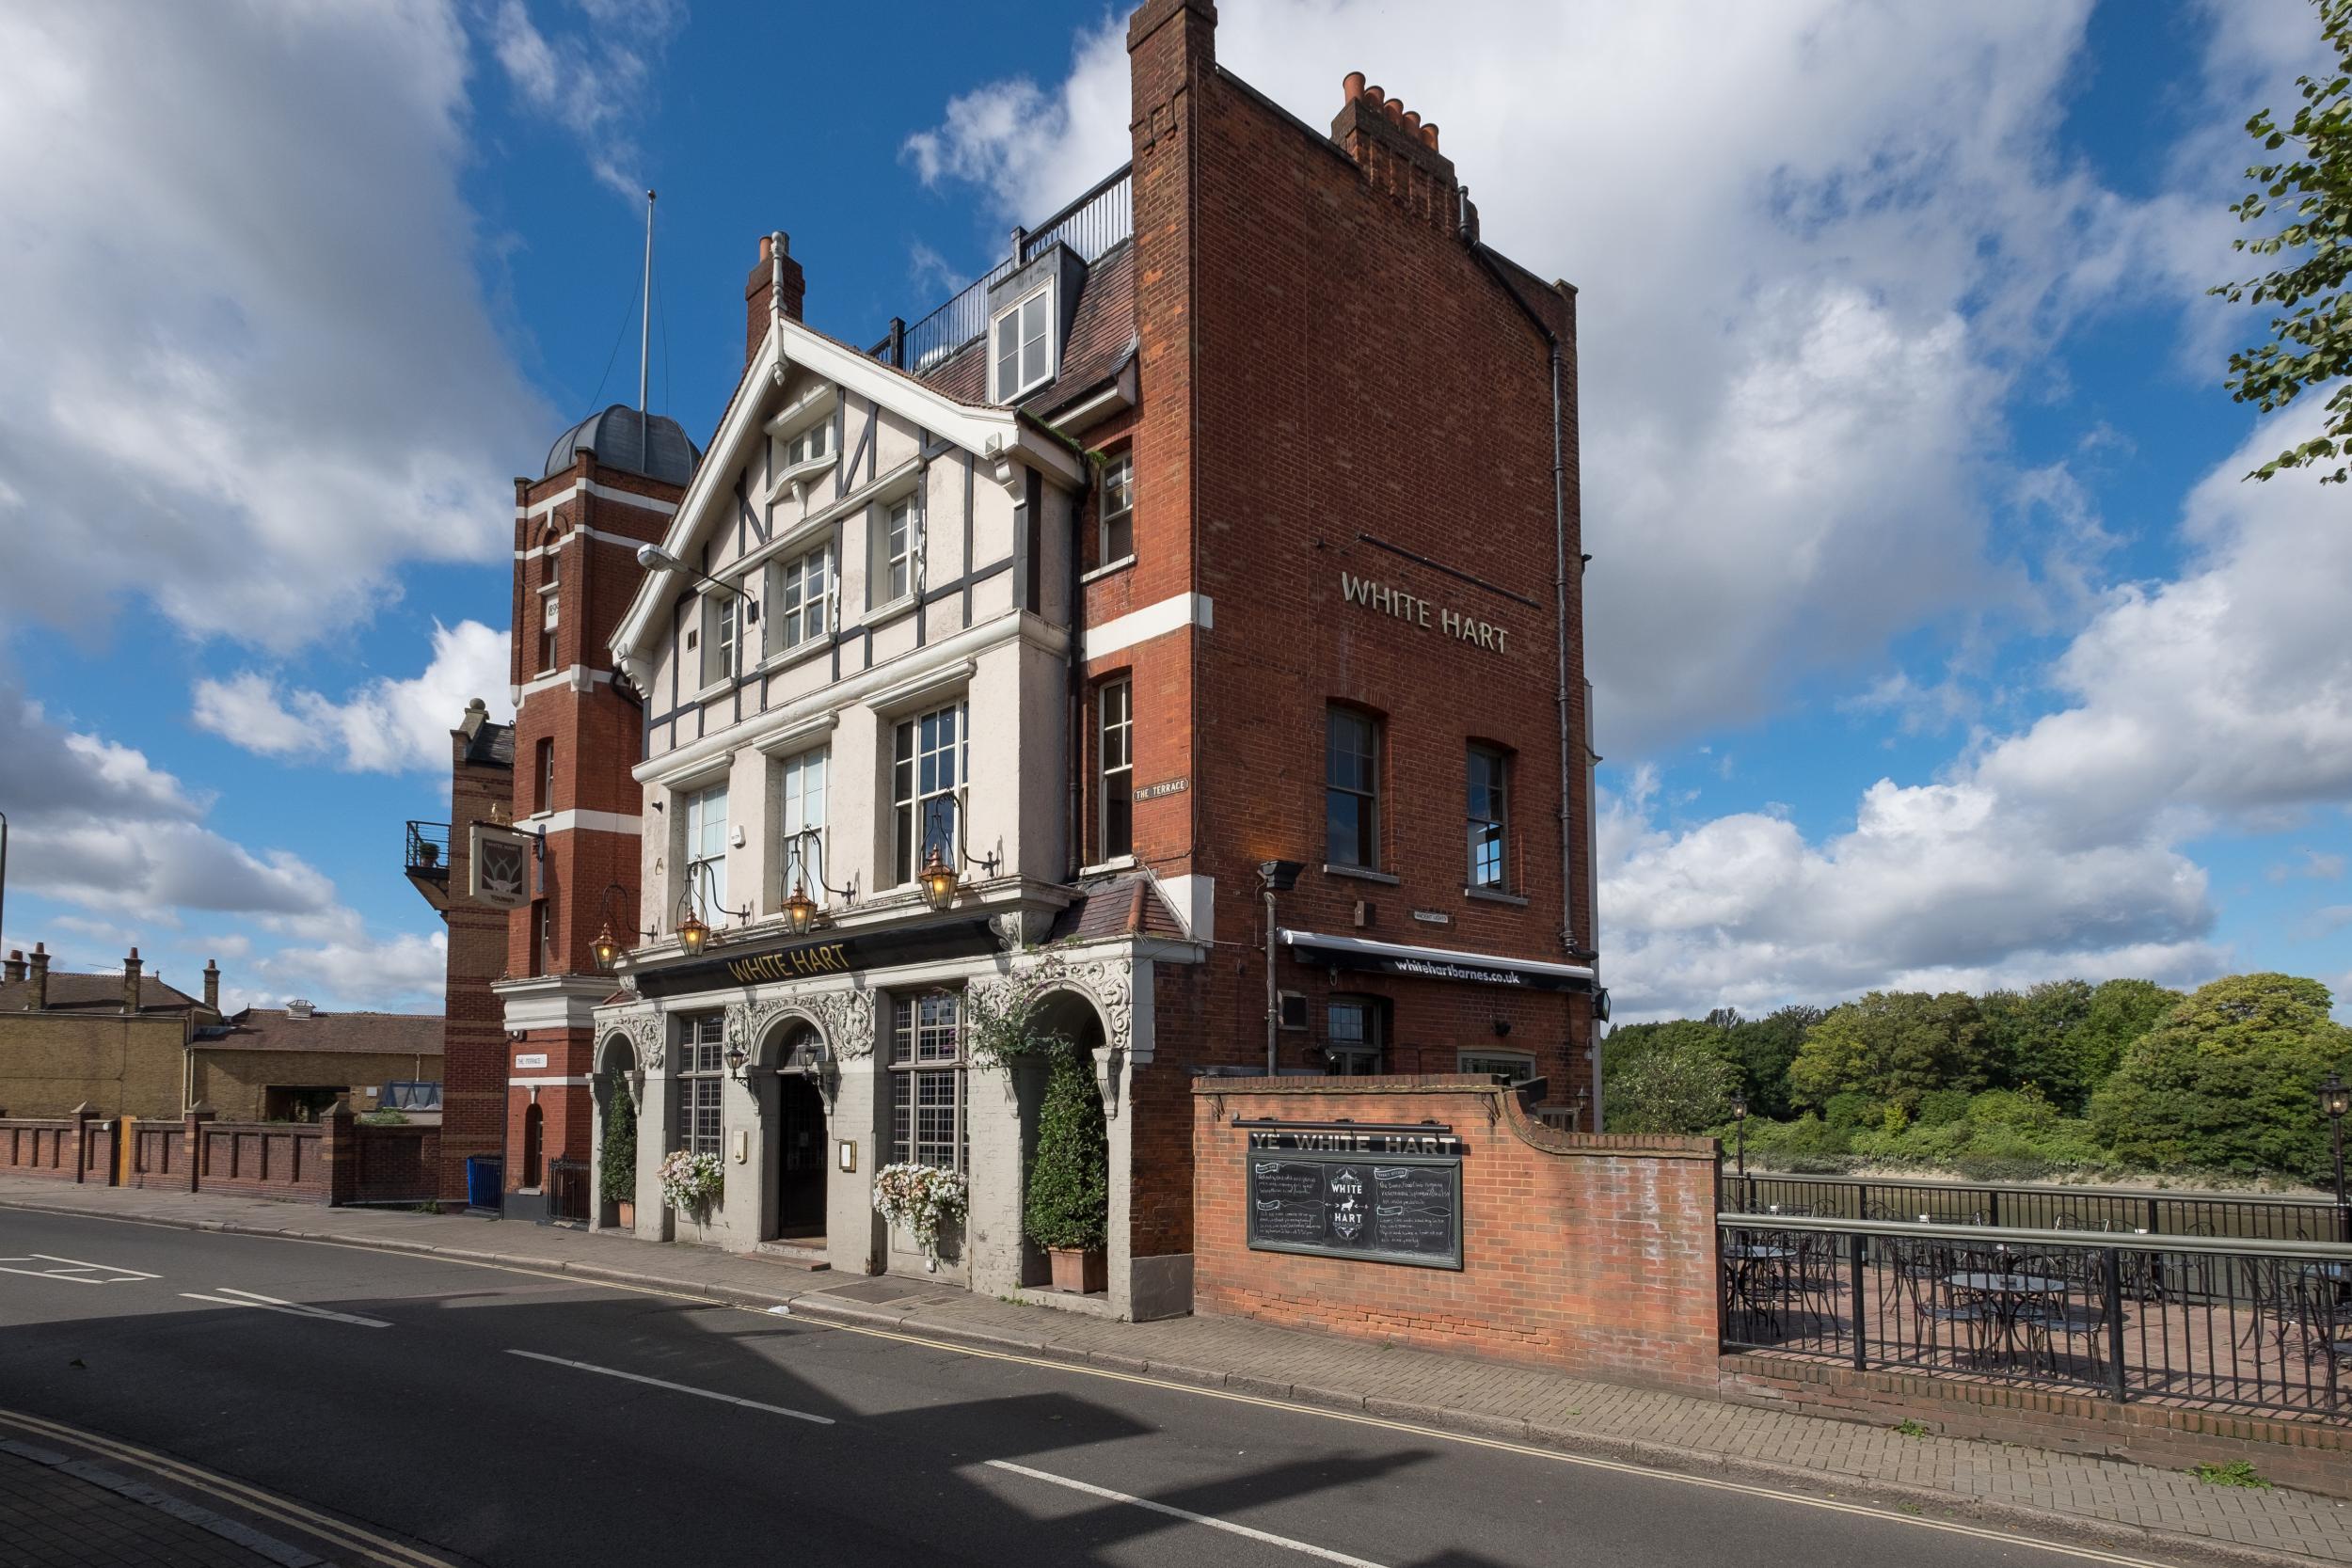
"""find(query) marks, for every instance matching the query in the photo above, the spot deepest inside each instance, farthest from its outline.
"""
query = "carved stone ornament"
(1111, 983)
(646, 1031)
(849, 1020)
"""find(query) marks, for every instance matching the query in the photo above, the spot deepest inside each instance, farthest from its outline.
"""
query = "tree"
(2030, 1038)
(1069, 1198)
(2121, 1012)
(1673, 1078)
(1891, 1046)
(1761, 1049)
(616, 1180)
(2311, 341)
(2229, 1081)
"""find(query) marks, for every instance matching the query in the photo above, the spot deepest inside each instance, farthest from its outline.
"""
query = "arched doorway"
(1075, 1018)
(534, 1144)
(797, 1149)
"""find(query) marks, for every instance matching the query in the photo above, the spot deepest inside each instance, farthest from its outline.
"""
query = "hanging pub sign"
(761, 962)
(1387, 1194)
(499, 873)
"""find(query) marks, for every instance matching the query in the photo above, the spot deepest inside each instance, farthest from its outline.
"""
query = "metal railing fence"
(2212, 1323)
(1090, 225)
(2004, 1205)
(567, 1190)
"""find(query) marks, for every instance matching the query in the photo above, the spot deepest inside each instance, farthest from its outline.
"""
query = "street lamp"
(1274, 877)
(692, 934)
(938, 880)
(652, 557)
(735, 1058)
(606, 948)
(802, 913)
(1739, 1125)
(2335, 1098)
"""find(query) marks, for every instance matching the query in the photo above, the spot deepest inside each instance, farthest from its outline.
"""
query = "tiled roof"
(274, 1029)
(95, 994)
(1125, 905)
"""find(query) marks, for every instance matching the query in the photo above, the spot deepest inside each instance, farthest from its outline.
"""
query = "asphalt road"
(509, 1418)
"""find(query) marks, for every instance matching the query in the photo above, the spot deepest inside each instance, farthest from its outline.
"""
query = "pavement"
(1404, 1417)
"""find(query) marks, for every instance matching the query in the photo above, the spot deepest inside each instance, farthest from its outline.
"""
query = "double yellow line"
(354, 1539)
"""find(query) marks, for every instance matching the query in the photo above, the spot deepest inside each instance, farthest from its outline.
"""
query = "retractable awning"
(1438, 963)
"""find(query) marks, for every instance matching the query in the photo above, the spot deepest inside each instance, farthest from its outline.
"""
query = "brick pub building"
(1200, 587)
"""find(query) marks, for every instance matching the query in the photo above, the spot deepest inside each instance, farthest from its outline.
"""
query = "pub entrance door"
(800, 1161)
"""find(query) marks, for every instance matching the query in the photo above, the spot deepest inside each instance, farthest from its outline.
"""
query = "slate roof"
(1102, 335)
(274, 1029)
(1123, 905)
(94, 993)
(654, 445)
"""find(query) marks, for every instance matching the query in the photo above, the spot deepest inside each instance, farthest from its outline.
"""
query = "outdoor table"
(2008, 1296)
(1744, 1258)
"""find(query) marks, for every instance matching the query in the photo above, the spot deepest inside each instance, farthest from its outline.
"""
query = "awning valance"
(1437, 964)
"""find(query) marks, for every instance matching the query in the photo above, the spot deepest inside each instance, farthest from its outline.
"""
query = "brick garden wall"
(1588, 1254)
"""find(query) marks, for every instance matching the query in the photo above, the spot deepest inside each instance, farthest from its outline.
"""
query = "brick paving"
(2043, 1492)
(52, 1517)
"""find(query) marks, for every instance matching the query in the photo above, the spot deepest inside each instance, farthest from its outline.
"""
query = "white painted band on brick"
(625, 541)
(546, 1083)
(1153, 620)
(548, 504)
(578, 676)
(592, 821)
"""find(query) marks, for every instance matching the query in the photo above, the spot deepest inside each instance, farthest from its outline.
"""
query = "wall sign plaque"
(1390, 1209)
(753, 963)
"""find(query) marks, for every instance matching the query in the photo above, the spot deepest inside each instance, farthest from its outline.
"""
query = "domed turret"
(653, 445)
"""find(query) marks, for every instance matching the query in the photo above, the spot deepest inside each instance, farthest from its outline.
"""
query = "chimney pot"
(1429, 135)
(1375, 95)
(1412, 120)
(767, 247)
(1352, 87)
(776, 286)
(1396, 107)
(15, 970)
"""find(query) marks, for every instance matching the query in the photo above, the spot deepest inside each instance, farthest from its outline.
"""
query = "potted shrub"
(617, 1180)
(1066, 1208)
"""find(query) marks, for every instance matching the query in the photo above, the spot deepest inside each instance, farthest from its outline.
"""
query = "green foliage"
(1761, 1049)
(1005, 1023)
(1067, 1203)
(2031, 1036)
(2312, 185)
(2229, 1081)
(616, 1180)
(2121, 1012)
(1908, 1427)
(384, 1119)
(2237, 1472)
(1891, 1046)
(1672, 1078)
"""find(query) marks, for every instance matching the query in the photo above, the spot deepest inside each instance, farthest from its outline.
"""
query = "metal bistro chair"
(1924, 1271)
(2049, 1322)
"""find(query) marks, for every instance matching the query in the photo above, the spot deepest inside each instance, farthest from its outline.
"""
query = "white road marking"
(674, 1387)
(231, 1296)
(73, 1270)
(1326, 1553)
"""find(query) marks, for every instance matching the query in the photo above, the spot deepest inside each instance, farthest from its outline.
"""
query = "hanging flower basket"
(690, 1181)
(921, 1198)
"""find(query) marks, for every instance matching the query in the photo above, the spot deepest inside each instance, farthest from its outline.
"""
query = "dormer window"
(1022, 339)
(809, 446)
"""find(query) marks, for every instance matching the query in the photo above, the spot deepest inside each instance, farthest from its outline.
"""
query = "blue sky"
(1935, 642)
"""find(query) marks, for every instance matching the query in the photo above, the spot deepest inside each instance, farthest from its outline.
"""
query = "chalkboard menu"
(1394, 1209)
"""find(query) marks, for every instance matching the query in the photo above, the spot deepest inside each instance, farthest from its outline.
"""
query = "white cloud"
(1807, 296)
(2221, 698)
(93, 823)
(260, 378)
(596, 82)
(387, 726)
(405, 973)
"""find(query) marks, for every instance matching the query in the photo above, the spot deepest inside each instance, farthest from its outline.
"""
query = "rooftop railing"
(427, 851)
(1090, 225)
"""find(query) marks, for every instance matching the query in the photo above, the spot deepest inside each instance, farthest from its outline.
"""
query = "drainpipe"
(1560, 599)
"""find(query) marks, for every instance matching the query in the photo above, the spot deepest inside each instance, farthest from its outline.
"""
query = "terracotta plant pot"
(1081, 1273)
(628, 1211)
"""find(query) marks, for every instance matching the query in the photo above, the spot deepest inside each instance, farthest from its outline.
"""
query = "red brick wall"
(1319, 356)
(37, 1148)
(473, 1029)
(1589, 1254)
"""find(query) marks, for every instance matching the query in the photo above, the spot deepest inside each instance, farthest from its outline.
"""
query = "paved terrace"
(2052, 1495)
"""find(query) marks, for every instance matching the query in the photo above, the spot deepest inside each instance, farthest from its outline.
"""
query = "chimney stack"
(212, 986)
(1397, 151)
(776, 283)
(131, 967)
(15, 967)
(36, 973)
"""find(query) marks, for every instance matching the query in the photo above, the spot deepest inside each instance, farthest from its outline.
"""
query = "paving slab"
(2039, 1491)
